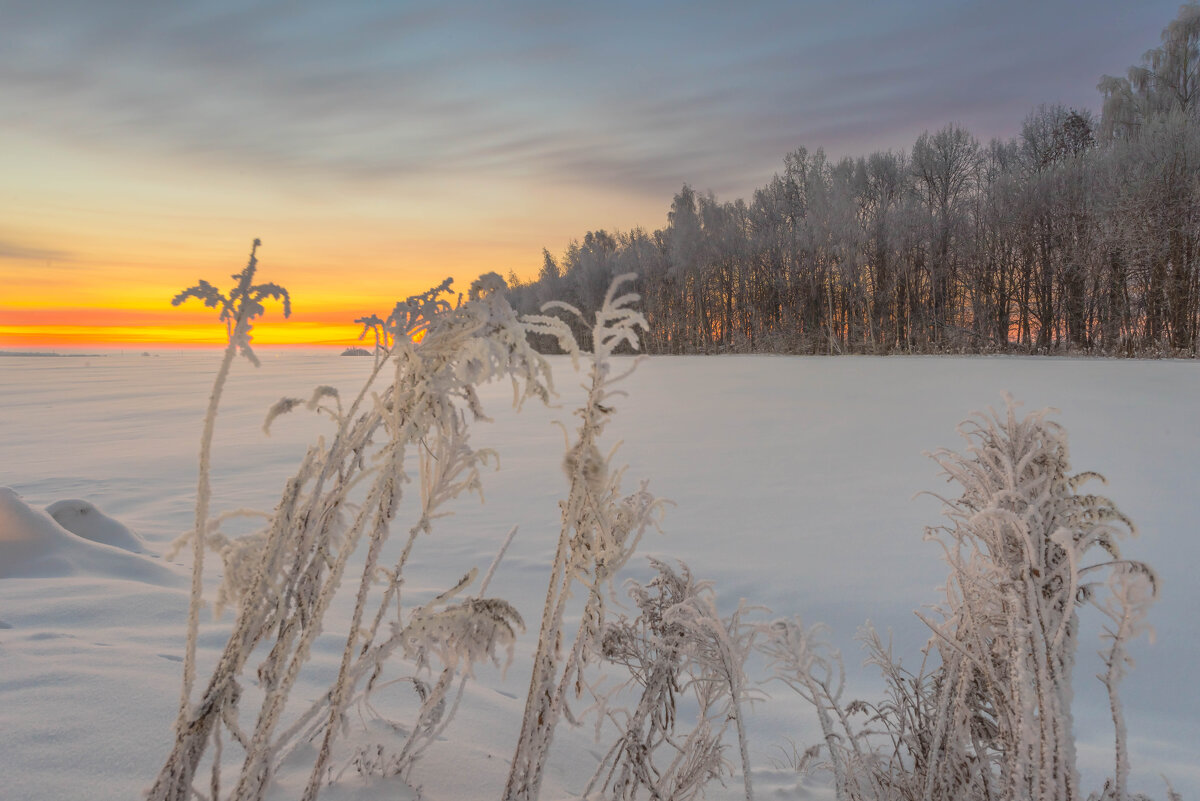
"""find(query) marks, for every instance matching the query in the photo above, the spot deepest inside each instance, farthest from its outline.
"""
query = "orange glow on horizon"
(179, 336)
(94, 246)
(145, 317)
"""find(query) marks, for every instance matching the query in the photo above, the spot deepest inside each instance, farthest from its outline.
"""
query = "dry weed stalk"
(678, 647)
(599, 533)
(238, 310)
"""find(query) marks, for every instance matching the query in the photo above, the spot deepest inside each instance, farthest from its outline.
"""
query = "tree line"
(1078, 235)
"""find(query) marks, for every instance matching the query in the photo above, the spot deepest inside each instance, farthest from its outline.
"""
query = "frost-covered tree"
(1167, 80)
(945, 165)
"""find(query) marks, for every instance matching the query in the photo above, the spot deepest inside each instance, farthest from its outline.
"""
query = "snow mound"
(84, 520)
(33, 545)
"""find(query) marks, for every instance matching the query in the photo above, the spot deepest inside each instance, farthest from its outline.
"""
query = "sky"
(378, 147)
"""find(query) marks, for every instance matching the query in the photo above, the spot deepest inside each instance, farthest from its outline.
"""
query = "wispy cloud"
(627, 95)
(18, 252)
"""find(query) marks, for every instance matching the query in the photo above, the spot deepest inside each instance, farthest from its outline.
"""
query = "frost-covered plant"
(1020, 545)
(873, 750)
(677, 646)
(992, 720)
(1131, 590)
(346, 494)
(455, 636)
(599, 533)
(238, 310)
(803, 659)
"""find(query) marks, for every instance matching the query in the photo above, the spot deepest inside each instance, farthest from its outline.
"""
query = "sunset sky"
(376, 147)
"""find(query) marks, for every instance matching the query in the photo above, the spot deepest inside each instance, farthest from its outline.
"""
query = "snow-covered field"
(793, 479)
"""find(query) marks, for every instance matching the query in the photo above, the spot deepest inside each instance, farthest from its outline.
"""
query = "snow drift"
(33, 544)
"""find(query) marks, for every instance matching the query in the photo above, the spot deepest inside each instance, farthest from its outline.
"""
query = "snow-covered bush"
(992, 718)
(342, 500)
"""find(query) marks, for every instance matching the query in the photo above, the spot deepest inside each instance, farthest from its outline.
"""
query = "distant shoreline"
(48, 353)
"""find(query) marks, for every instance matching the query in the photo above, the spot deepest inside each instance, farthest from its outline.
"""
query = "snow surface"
(793, 479)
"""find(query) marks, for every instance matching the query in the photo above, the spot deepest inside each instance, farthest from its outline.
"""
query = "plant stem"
(203, 496)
